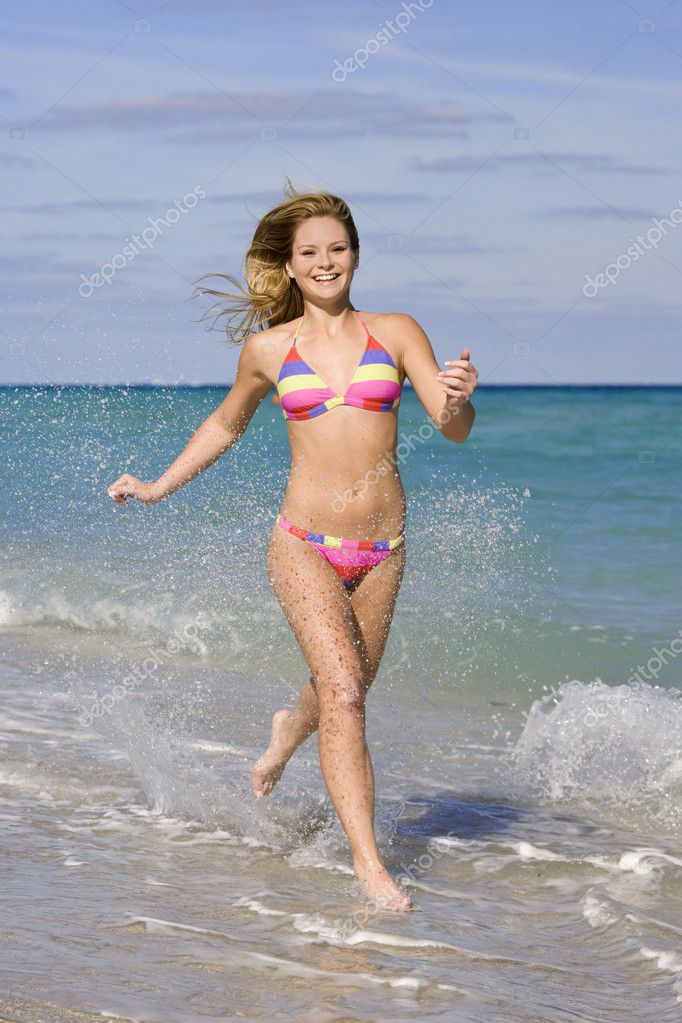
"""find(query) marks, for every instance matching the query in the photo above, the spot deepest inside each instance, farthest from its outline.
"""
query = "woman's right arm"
(215, 435)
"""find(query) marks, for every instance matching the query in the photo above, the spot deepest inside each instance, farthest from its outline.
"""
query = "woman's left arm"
(444, 394)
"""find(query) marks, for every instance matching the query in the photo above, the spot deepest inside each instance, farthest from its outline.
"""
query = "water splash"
(171, 776)
(616, 750)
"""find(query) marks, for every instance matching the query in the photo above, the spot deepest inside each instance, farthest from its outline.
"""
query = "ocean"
(525, 725)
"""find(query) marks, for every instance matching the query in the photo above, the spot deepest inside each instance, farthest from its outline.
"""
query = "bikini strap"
(362, 322)
(297, 330)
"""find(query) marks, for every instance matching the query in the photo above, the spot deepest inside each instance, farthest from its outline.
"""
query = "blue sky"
(495, 156)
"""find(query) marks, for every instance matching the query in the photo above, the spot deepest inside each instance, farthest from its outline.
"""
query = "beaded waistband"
(339, 541)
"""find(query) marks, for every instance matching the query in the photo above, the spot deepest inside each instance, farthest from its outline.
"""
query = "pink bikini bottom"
(352, 559)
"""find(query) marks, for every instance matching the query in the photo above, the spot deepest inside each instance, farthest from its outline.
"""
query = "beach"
(525, 725)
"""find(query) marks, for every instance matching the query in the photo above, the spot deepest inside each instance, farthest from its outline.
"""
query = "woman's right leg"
(373, 603)
(290, 728)
(321, 617)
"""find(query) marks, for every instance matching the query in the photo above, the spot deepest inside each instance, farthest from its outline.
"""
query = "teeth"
(326, 277)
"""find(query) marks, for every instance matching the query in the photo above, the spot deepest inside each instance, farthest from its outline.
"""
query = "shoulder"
(408, 342)
(263, 351)
(400, 330)
(394, 325)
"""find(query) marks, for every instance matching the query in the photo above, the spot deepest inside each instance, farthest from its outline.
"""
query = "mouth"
(326, 278)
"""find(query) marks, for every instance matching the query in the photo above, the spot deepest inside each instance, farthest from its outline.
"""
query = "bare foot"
(379, 885)
(266, 772)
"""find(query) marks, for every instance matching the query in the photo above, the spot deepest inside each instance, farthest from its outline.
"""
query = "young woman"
(337, 550)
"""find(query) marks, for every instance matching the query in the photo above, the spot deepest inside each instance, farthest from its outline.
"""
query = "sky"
(512, 169)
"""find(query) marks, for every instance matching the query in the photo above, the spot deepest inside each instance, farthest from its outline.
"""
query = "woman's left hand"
(460, 381)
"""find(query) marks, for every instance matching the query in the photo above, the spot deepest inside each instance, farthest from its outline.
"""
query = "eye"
(339, 248)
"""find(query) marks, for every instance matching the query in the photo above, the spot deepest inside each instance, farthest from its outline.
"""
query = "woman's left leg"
(373, 602)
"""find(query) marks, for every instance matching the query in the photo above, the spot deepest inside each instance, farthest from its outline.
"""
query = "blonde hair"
(271, 296)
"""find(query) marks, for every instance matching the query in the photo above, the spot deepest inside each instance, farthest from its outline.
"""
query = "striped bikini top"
(375, 385)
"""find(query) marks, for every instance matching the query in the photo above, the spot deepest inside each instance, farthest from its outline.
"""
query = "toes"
(260, 786)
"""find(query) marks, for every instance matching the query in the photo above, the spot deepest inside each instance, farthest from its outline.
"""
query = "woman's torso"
(344, 478)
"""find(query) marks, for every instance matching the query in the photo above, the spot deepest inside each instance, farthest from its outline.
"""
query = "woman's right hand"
(129, 486)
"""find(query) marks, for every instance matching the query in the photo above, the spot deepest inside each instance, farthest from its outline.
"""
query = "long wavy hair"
(271, 296)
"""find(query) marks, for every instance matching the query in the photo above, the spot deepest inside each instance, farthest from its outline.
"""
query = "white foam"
(11, 726)
(153, 621)
(441, 893)
(614, 748)
(673, 774)
(8, 609)
(313, 923)
(665, 960)
(28, 784)
(118, 1016)
(342, 977)
(669, 962)
(258, 907)
(597, 912)
(635, 861)
(653, 921)
(447, 841)
(300, 970)
(218, 747)
(311, 863)
(338, 934)
(533, 852)
(643, 861)
(158, 925)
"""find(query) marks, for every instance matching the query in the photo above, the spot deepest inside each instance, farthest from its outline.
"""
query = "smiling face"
(322, 261)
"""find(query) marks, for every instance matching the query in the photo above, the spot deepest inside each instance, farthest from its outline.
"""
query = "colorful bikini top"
(375, 385)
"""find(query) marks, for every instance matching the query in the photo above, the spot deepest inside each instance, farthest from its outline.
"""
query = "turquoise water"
(527, 713)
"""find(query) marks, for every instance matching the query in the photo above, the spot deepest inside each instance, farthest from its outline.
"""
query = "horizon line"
(148, 385)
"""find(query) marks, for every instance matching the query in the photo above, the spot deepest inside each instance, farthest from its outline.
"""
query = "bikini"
(375, 385)
(303, 395)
